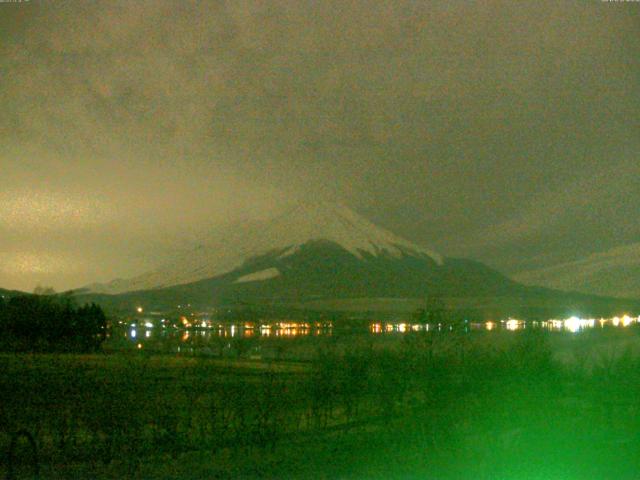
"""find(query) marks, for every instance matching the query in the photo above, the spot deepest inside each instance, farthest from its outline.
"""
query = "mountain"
(614, 272)
(325, 256)
(285, 235)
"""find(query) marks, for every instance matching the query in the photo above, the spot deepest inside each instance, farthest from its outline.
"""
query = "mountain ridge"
(614, 272)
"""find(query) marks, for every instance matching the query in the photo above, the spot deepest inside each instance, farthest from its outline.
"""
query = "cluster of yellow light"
(571, 324)
(513, 324)
(249, 329)
(400, 327)
(292, 329)
(626, 320)
(553, 324)
(265, 330)
(291, 332)
(291, 325)
(575, 324)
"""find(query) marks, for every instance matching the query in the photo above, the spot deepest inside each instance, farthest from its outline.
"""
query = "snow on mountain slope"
(265, 274)
(284, 234)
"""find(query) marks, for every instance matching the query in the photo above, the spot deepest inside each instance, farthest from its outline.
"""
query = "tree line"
(50, 323)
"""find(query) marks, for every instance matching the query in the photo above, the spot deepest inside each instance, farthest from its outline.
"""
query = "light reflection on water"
(232, 331)
(304, 329)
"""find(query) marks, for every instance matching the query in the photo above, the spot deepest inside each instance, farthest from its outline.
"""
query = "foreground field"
(523, 406)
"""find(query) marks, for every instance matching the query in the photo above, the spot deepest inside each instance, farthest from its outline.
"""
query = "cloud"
(459, 125)
(36, 263)
(29, 209)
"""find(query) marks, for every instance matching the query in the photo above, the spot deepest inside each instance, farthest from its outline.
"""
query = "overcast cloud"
(506, 131)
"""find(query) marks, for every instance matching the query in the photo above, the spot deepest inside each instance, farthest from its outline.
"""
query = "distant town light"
(572, 324)
(513, 324)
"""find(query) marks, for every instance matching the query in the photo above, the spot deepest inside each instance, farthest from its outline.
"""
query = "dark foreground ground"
(430, 406)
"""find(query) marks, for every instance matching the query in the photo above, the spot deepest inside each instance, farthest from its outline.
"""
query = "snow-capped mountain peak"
(287, 233)
(338, 224)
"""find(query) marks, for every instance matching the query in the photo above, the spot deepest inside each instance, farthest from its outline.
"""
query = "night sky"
(507, 132)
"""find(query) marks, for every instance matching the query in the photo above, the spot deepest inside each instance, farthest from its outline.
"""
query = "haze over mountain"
(614, 272)
(325, 256)
(286, 234)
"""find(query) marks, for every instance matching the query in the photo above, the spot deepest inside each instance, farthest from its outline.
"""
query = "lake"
(301, 340)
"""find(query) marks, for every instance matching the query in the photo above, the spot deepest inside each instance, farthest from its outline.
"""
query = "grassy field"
(517, 406)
